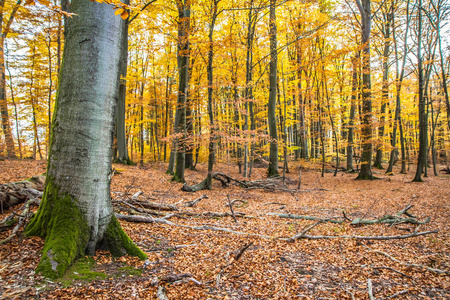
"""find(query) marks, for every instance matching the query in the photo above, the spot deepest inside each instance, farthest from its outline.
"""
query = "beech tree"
(76, 215)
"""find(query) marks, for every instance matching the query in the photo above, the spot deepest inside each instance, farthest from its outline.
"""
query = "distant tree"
(366, 130)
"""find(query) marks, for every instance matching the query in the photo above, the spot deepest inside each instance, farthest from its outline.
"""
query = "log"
(14, 193)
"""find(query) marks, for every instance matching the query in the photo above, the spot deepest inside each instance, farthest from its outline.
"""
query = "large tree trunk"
(273, 156)
(76, 215)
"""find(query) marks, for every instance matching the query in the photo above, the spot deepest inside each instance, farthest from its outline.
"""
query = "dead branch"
(242, 250)
(358, 237)
(397, 294)
(291, 216)
(144, 219)
(433, 270)
(303, 232)
(153, 205)
(21, 220)
(394, 220)
(236, 200)
(231, 208)
(393, 270)
(213, 214)
(14, 193)
(273, 203)
(194, 202)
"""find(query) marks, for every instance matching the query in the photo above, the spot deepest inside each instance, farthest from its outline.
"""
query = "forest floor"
(270, 268)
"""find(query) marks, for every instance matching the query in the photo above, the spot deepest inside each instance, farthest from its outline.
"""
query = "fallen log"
(14, 193)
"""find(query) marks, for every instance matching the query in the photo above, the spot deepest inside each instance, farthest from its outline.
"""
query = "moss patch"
(82, 269)
(118, 243)
(64, 228)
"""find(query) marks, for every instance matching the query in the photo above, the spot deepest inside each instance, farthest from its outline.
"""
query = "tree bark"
(76, 215)
(273, 156)
(366, 131)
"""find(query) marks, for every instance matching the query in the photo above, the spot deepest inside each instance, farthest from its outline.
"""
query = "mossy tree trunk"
(76, 215)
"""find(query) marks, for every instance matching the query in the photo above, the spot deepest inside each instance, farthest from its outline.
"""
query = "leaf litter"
(186, 263)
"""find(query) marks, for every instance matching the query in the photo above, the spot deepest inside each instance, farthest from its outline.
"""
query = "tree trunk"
(11, 151)
(366, 130)
(122, 149)
(422, 157)
(273, 156)
(184, 14)
(76, 215)
(385, 87)
(351, 121)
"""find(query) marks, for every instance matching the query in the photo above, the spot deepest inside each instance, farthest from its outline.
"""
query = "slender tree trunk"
(184, 14)
(422, 157)
(122, 149)
(384, 89)
(366, 131)
(76, 215)
(16, 115)
(351, 121)
(273, 156)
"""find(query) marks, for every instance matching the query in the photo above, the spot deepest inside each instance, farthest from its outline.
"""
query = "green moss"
(64, 228)
(130, 270)
(177, 178)
(82, 270)
(118, 243)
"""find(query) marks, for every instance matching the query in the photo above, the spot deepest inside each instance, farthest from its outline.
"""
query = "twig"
(22, 219)
(231, 208)
(397, 294)
(274, 203)
(393, 270)
(242, 250)
(433, 270)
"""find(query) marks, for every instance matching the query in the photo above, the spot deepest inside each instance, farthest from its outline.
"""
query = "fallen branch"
(14, 193)
(393, 270)
(359, 237)
(21, 220)
(194, 202)
(291, 216)
(231, 208)
(397, 219)
(433, 270)
(144, 219)
(157, 206)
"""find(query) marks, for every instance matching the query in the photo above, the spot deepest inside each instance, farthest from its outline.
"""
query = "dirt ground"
(271, 268)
